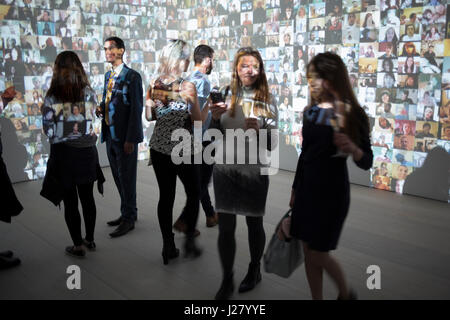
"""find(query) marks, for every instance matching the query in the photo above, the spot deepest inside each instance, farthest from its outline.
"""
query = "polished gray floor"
(407, 237)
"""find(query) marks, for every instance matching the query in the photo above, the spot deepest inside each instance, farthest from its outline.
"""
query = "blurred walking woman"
(334, 127)
(241, 189)
(73, 165)
(173, 103)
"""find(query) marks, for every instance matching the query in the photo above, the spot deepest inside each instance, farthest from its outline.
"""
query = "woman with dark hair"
(334, 121)
(46, 31)
(390, 35)
(368, 33)
(48, 50)
(73, 165)
(387, 65)
(241, 189)
(410, 82)
(433, 34)
(409, 66)
(37, 97)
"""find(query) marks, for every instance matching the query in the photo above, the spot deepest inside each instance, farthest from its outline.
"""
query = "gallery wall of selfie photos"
(397, 53)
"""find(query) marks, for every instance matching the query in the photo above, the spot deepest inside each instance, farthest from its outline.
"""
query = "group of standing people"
(240, 189)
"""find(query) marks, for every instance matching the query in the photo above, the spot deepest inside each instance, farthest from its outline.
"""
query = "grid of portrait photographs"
(397, 53)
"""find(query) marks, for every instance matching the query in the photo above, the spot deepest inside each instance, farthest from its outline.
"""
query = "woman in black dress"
(334, 126)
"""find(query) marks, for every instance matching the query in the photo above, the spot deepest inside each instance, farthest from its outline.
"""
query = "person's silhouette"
(431, 180)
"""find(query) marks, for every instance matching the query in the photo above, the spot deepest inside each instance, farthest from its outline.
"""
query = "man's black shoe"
(122, 229)
(6, 254)
(6, 263)
(114, 223)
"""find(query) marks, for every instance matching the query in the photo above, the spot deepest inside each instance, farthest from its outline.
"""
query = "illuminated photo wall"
(397, 53)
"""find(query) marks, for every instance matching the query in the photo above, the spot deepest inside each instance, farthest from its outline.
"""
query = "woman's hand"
(128, 147)
(251, 123)
(346, 145)
(150, 106)
(218, 109)
(8, 95)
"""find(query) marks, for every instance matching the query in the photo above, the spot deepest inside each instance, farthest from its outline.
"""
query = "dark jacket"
(58, 175)
(125, 106)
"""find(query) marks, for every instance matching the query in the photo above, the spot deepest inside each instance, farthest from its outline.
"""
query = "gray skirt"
(240, 189)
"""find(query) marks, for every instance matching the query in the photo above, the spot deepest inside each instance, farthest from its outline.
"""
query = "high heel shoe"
(252, 278)
(226, 288)
(170, 253)
(169, 250)
(352, 295)
(191, 249)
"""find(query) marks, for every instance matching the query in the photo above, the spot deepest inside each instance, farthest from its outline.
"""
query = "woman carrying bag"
(334, 127)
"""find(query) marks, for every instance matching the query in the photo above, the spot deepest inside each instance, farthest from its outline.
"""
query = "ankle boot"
(190, 248)
(252, 278)
(351, 295)
(226, 288)
(169, 250)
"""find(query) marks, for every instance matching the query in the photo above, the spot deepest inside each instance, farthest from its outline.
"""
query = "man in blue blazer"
(121, 108)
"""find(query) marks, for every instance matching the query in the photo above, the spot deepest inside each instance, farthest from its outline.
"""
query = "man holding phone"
(203, 58)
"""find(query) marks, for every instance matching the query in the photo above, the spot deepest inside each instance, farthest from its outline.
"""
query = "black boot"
(226, 288)
(6, 254)
(6, 263)
(169, 250)
(351, 295)
(190, 248)
(252, 278)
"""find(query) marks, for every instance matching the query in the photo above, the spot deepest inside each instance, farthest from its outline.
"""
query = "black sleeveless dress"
(321, 184)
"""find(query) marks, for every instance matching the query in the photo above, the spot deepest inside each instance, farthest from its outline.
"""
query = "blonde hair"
(173, 57)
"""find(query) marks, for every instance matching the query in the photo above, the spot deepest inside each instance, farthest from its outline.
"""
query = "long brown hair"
(69, 79)
(330, 67)
(261, 86)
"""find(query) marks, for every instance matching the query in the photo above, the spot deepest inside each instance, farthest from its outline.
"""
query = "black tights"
(166, 175)
(72, 215)
(227, 241)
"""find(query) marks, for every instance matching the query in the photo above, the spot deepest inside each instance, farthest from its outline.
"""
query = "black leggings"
(72, 215)
(166, 174)
(227, 242)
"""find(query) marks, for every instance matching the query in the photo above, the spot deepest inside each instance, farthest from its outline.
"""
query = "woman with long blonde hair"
(173, 103)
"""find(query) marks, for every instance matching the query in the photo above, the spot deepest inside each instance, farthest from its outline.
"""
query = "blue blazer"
(125, 106)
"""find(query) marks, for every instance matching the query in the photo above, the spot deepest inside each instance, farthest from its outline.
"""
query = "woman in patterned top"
(241, 189)
(73, 165)
(173, 103)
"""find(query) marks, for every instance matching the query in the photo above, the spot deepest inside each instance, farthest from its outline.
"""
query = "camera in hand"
(216, 96)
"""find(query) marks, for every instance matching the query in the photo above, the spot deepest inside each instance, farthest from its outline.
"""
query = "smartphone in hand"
(216, 96)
